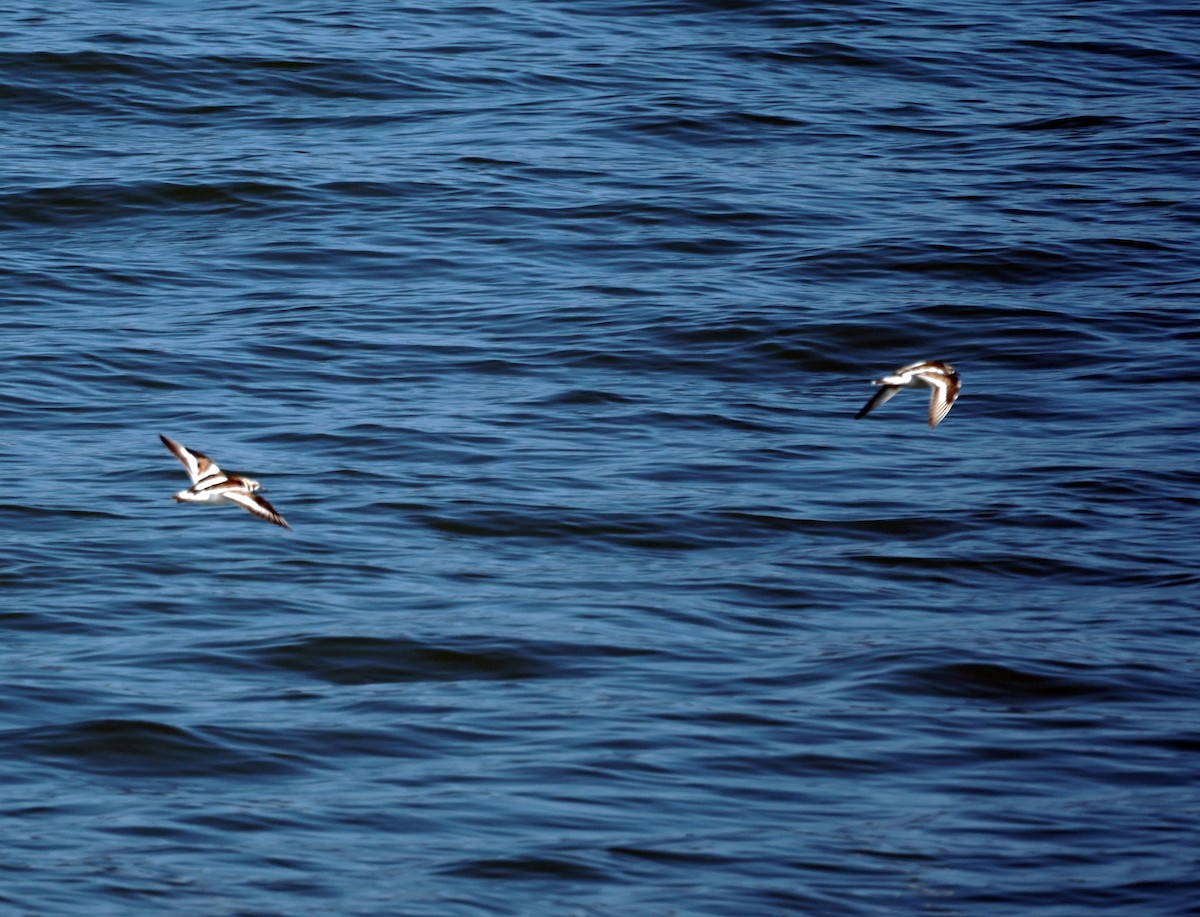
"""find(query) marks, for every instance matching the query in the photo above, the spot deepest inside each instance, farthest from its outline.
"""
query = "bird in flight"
(211, 485)
(940, 377)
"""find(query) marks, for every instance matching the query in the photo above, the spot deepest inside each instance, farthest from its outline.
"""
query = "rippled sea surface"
(545, 325)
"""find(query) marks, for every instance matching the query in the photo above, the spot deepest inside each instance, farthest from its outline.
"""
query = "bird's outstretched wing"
(943, 391)
(257, 505)
(199, 467)
(885, 394)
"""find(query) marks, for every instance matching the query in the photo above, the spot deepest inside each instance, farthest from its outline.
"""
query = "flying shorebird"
(941, 378)
(211, 485)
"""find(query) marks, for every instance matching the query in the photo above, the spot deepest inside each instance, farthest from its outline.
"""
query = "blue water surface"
(545, 325)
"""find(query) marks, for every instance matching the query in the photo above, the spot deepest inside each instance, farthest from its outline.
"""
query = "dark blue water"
(545, 325)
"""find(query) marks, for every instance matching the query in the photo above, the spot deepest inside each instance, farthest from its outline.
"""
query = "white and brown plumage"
(211, 485)
(940, 377)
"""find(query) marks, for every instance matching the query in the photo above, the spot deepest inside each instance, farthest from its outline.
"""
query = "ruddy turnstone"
(941, 378)
(211, 485)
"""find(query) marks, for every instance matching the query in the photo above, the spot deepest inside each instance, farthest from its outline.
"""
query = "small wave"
(104, 202)
(145, 748)
(529, 868)
(373, 660)
(1003, 683)
(1000, 567)
(1067, 123)
(1009, 264)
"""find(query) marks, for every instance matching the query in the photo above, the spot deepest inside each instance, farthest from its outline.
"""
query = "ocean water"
(544, 326)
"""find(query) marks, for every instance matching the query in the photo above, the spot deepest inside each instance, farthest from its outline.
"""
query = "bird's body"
(210, 485)
(939, 377)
